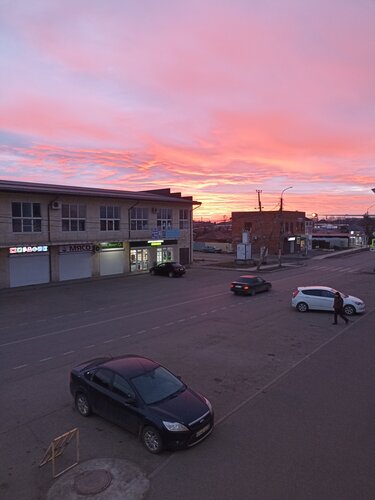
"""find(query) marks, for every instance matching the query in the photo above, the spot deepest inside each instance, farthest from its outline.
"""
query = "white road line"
(193, 316)
(140, 332)
(170, 323)
(86, 312)
(107, 341)
(105, 321)
(125, 336)
(181, 320)
(155, 327)
(89, 346)
(204, 314)
(46, 359)
(67, 353)
(213, 310)
(19, 367)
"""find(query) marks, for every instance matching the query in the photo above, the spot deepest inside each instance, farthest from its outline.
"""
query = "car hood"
(185, 407)
(351, 298)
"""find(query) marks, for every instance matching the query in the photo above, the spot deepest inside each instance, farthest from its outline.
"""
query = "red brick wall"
(265, 228)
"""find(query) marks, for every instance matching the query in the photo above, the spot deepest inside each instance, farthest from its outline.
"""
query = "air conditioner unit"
(56, 205)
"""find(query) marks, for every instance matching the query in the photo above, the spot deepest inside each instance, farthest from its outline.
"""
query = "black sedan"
(143, 397)
(250, 285)
(170, 269)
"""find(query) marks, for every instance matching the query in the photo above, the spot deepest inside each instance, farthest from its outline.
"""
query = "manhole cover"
(92, 482)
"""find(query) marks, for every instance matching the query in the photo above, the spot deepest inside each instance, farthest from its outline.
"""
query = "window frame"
(31, 220)
(164, 218)
(184, 218)
(109, 222)
(139, 219)
(73, 223)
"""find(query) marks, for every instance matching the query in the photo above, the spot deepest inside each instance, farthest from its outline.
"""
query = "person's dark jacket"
(338, 303)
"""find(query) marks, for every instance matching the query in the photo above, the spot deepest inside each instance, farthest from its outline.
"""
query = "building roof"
(157, 195)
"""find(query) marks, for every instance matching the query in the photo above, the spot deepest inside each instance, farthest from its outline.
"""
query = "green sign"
(111, 244)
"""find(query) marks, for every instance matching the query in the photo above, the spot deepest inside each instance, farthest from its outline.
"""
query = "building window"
(26, 217)
(139, 219)
(291, 228)
(184, 218)
(73, 217)
(109, 218)
(164, 218)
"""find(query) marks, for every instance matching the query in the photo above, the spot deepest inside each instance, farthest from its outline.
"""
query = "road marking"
(193, 316)
(170, 323)
(107, 341)
(125, 336)
(89, 346)
(19, 367)
(67, 353)
(181, 320)
(105, 321)
(46, 359)
(140, 332)
(153, 328)
(204, 314)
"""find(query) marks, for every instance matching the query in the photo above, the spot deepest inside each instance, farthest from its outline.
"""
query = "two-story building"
(52, 233)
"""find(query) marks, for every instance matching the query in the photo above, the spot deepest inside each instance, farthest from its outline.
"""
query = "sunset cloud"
(214, 99)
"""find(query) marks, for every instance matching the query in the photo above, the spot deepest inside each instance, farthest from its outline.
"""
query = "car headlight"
(208, 404)
(175, 426)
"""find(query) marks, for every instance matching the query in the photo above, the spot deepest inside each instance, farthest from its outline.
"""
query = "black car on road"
(143, 397)
(250, 285)
(170, 269)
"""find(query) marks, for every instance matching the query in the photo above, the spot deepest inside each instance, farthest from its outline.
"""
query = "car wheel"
(302, 307)
(170, 274)
(152, 440)
(152, 272)
(349, 310)
(83, 404)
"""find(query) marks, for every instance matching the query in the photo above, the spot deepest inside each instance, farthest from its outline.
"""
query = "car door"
(126, 409)
(327, 298)
(261, 285)
(312, 298)
(100, 392)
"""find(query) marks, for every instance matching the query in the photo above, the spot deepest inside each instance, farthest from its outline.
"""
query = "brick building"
(275, 230)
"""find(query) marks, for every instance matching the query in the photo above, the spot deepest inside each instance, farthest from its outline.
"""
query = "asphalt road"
(292, 393)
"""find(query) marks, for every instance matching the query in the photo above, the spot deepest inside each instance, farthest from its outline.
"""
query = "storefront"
(75, 261)
(111, 258)
(139, 259)
(29, 265)
(164, 254)
(144, 254)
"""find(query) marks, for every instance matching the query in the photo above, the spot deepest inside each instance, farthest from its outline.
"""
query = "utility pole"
(281, 222)
(259, 191)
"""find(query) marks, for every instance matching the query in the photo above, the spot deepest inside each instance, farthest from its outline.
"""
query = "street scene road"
(292, 393)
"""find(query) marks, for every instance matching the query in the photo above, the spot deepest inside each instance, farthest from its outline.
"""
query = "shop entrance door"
(138, 259)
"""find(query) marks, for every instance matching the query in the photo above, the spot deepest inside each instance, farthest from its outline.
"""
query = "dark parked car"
(170, 269)
(143, 397)
(250, 285)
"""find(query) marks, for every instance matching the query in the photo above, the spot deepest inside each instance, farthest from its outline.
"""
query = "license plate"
(238, 286)
(203, 430)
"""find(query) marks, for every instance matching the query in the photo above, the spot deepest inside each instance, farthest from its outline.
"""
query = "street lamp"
(281, 221)
(366, 213)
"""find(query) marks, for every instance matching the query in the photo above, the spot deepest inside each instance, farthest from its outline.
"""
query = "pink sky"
(213, 98)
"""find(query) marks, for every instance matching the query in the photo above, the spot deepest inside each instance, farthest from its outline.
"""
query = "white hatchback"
(321, 298)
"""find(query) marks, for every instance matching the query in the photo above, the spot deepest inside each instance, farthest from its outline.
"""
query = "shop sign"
(292, 238)
(110, 245)
(155, 243)
(28, 249)
(83, 247)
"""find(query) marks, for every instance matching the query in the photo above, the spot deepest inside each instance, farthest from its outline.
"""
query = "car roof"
(130, 365)
(248, 276)
(316, 287)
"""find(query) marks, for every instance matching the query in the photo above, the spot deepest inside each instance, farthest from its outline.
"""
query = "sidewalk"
(287, 261)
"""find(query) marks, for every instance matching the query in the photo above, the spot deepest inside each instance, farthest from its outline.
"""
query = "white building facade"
(51, 233)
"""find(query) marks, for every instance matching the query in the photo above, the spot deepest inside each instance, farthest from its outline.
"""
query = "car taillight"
(295, 293)
(246, 287)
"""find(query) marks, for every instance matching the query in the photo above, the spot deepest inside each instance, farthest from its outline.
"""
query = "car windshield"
(156, 385)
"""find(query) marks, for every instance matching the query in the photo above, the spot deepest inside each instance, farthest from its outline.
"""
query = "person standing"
(338, 308)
